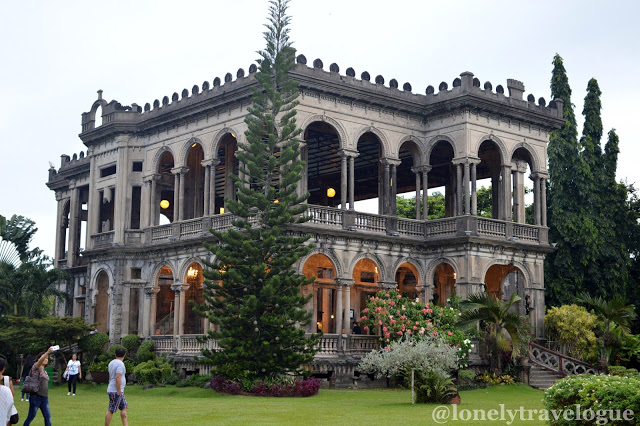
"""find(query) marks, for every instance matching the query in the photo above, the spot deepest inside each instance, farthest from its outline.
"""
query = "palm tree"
(613, 313)
(503, 327)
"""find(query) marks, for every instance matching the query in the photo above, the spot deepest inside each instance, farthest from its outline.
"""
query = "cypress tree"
(568, 225)
(252, 293)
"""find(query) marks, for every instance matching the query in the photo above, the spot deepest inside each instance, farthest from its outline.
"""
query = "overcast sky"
(56, 55)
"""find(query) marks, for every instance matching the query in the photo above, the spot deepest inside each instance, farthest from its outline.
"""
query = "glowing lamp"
(331, 192)
(455, 276)
(276, 201)
(192, 273)
(164, 204)
(221, 210)
(194, 145)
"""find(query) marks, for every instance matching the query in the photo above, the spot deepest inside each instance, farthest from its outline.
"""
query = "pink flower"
(403, 317)
(424, 311)
(392, 322)
(417, 323)
(365, 310)
(422, 330)
(403, 308)
(398, 312)
(408, 332)
(363, 318)
(429, 311)
(379, 322)
(387, 335)
(387, 348)
(415, 328)
(426, 306)
(449, 333)
(384, 329)
(366, 328)
(435, 333)
(440, 314)
(399, 333)
(399, 296)
(392, 303)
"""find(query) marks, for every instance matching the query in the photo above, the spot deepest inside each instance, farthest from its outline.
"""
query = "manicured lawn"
(190, 406)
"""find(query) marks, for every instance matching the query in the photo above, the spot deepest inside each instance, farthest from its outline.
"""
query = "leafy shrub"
(172, 380)
(130, 365)
(623, 372)
(93, 344)
(434, 387)
(99, 367)
(131, 343)
(195, 380)
(466, 376)
(145, 351)
(399, 317)
(155, 371)
(573, 326)
(494, 380)
(596, 393)
(278, 387)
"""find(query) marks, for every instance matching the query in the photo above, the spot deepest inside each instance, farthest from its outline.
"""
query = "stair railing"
(558, 362)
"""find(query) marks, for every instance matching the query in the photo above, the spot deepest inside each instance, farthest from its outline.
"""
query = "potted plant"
(99, 372)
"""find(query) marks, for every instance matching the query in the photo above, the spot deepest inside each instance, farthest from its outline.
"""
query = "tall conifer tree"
(252, 293)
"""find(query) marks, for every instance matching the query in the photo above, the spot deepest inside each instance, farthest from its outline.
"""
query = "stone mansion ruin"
(134, 210)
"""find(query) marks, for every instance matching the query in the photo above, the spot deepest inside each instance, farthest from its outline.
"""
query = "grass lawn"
(191, 406)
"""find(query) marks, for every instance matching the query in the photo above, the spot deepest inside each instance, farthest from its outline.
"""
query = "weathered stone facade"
(154, 179)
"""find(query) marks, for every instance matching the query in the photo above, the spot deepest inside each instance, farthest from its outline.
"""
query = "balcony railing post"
(349, 219)
(392, 225)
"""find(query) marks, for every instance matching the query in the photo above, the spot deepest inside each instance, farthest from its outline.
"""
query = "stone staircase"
(541, 378)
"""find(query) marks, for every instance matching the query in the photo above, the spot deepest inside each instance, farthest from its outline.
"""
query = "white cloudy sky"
(56, 55)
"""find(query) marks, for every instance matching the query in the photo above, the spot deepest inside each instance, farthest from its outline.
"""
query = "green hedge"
(594, 394)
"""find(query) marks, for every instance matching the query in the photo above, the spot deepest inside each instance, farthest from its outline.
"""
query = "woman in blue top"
(73, 371)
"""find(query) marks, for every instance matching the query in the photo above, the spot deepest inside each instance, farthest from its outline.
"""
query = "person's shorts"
(116, 402)
(14, 419)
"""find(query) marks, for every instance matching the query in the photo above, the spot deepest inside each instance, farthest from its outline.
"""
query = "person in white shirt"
(6, 404)
(73, 371)
(115, 390)
(6, 383)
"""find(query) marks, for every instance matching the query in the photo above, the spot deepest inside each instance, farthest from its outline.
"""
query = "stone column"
(314, 310)
(145, 203)
(60, 225)
(385, 188)
(474, 190)
(425, 192)
(394, 189)
(352, 160)
(347, 305)
(177, 303)
(183, 302)
(543, 199)
(506, 192)
(176, 193)
(343, 180)
(212, 186)
(73, 238)
(183, 172)
(153, 292)
(417, 173)
(467, 198)
(458, 209)
(518, 191)
(536, 198)
(207, 187)
(339, 314)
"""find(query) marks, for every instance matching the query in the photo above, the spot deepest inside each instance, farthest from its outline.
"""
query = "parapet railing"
(559, 363)
(343, 220)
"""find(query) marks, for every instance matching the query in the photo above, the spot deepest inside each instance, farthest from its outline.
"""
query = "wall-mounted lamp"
(455, 276)
(194, 145)
(192, 272)
(221, 210)
(276, 201)
(331, 192)
(332, 317)
(233, 135)
(164, 204)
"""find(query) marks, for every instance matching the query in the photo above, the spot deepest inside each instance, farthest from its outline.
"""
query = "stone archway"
(193, 324)
(504, 280)
(444, 283)
(323, 304)
(408, 279)
(164, 302)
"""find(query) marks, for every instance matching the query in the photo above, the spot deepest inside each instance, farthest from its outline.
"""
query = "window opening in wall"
(367, 277)
(137, 166)
(165, 301)
(163, 199)
(136, 273)
(325, 273)
(98, 117)
(108, 171)
(107, 197)
(136, 197)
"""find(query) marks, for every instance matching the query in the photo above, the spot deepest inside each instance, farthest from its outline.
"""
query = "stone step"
(540, 378)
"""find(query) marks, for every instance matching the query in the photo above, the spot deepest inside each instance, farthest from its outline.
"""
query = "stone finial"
(443, 86)
(476, 82)
(393, 83)
(516, 88)
(99, 94)
(165, 100)
(334, 67)
(228, 77)
(195, 89)
(542, 102)
(430, 90)
(147, 107)
(379, 79)
(185, 93)
(318, 63)
(240, 73)
(457, 82)
(488, 86)
(205, 86)
(175, 97)
(156, 104)
(365, 76)
(252, 68)
(406, 87)
(351, 72)
(500, 89)
(216, 82)
(531, 98)
(301, 59)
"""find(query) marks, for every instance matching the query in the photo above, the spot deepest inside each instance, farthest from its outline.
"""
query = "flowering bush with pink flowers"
(396, 317)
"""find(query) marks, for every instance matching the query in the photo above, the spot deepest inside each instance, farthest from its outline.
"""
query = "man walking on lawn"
(115, 390)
